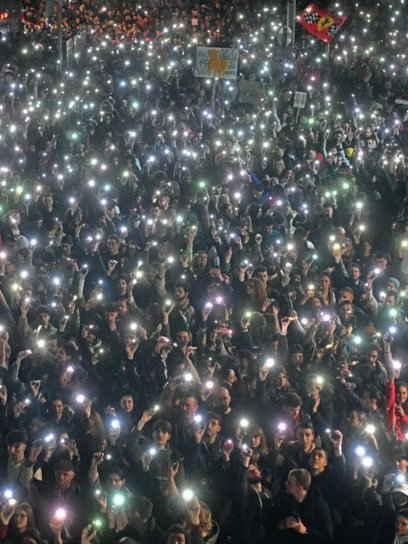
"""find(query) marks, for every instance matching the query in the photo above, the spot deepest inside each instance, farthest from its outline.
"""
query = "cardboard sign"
(216, 62)
(250, 92)
(300, 100)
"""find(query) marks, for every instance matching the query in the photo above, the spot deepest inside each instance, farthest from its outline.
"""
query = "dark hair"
(183, 329)
(69, 349)
(176, 529)
(16, 436)
(224, 371)
(400, 452)
(44, 310)
(213, 415)
(13, 533)
(401, 383)
(382, 255)
(292, 400)
(142, 505)
(403, 513)
(257, 431)
(260, 269)
(327, 274)
(323, 450)
(373, 347)
(127, 393)
(174, 359)
(180, 285)
(162, 425)
(118, 471)
(280, 370)
(306, 424)
(372, 393)
(190, 393)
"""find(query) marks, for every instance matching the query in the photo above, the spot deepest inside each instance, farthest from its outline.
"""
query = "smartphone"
(295, 516)
(175, 460)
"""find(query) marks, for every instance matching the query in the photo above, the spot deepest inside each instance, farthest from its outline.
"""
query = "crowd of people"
(204, 291)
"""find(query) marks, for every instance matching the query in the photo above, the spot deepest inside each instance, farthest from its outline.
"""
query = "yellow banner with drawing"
(216, 62)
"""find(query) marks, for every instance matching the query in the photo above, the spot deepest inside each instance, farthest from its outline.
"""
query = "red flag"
(320, 23)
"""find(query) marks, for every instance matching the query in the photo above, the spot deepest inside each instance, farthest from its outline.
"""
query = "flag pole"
(328, 52)
(60, 42)
(213, 93)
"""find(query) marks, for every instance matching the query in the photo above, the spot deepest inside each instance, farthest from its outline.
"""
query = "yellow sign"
(324, 22)
(216, 66)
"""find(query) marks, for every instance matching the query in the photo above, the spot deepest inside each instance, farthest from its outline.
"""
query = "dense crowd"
(204, 291)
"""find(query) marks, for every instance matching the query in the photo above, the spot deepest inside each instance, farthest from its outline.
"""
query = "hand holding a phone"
(294, 522)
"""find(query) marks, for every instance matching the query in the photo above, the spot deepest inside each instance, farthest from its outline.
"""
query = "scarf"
(401, 540)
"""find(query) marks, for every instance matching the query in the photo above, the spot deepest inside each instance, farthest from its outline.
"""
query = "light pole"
(49, 11)
(291, 18)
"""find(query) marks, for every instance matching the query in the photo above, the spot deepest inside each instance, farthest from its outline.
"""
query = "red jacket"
(395, 422)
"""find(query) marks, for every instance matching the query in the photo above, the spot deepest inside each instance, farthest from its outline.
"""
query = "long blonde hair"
(206, 521)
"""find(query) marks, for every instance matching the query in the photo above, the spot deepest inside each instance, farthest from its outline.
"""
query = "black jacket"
(152, 535)
(330, 482)
(314, 513)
